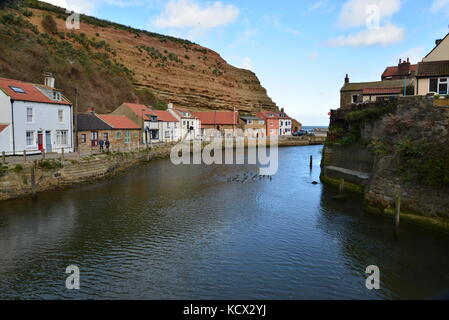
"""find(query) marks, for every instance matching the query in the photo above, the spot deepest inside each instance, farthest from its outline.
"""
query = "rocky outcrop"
(390, 149)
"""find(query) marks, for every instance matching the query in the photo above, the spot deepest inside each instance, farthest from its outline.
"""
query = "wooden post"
(62, 154)
(24, 156)
(398, 214)
(43, 154)
(311, 162)
(4, 157)
(33, 180)
(342, 185)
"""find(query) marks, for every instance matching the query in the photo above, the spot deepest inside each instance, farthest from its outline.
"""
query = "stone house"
(254, 124)
(156, 125)
(121, 132)
(364, 92)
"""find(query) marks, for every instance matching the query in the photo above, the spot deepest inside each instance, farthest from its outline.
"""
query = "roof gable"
(25, 91)
(439, 52)
(118, 121)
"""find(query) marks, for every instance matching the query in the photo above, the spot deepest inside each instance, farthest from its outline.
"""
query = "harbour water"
(213, 232)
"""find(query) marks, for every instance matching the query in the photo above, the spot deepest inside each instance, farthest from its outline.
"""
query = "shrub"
(49, 25)
(49, 164)
(18, 168)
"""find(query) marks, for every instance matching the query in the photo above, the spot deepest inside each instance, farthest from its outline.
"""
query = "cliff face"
(386, 150)
(174, 70)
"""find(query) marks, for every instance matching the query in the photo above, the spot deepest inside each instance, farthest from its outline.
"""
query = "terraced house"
(34, 118)
(277, 123)
(156, 125)
(121, 132)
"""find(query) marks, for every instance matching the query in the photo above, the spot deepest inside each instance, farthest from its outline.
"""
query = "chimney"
(437, 42)
(282, 110)
(347, 79)
(404, 67)
(170, 106)
(49, 79)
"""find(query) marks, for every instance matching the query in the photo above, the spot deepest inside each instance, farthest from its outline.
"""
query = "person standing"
(107, 144)
(101, 145)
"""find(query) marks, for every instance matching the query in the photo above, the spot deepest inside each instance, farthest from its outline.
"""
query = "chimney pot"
(49, 79)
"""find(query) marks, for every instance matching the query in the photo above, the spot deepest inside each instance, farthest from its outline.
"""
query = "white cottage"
(190, 125)
(34, 118)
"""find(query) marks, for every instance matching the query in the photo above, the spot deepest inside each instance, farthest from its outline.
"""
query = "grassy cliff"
(111, 63)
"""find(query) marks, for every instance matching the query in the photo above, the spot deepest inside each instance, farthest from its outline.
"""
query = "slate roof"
(433, 69)
(90, 122)
(359, 86)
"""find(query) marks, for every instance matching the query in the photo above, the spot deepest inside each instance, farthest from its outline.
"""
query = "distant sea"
(314, 127)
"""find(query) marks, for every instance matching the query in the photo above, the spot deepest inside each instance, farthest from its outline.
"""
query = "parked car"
(300, 133)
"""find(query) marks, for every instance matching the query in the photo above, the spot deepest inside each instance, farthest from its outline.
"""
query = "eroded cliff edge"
(392, 148)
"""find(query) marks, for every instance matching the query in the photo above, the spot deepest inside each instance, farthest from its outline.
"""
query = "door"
(48, 141)
(40, 141)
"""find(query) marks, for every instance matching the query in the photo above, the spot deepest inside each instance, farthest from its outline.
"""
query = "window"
(136, 135)
(56, 95)
(61, 137)
(61, 115)
(433, 85)
(167, 134)
(118, 135)
(442, 86)
(174, 124)
(354, 98)
(30, 138)
(261, 122)
(184, 123)
(29, 114)
(128, 136)
(83, 138)
(17, 89)
(105, 136)
(168, 124)
(282, 123)
(250, 121)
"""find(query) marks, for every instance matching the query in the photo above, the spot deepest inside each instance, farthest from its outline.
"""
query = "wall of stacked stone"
(413, 119)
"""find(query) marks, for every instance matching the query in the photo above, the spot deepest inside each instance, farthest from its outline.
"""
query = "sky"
(301, 50)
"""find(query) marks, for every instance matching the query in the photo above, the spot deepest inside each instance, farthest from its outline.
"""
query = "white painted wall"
(5, 140)
(440, 53)
(286, 127)
(168, 131)
(45, 118)
(5, 108)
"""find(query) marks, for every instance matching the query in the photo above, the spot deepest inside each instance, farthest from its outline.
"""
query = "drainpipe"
(13, 128)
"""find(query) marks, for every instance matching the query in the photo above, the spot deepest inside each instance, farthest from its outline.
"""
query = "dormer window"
(17, 89)
(57, 96)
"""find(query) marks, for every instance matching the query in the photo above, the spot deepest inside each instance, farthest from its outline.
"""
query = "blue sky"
(299, 49)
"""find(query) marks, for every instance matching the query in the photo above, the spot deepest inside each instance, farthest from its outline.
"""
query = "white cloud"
(322, 5)
(275, 21)
(438, 5)
(89, 7)
(415, 54)
(385, 35)
(191, 15)
(246, 63)
(80, 6)
(355, 13)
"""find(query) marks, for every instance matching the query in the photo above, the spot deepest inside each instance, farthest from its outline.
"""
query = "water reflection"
(166, 232)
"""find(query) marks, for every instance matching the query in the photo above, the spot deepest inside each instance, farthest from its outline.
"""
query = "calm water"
(166, 232)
